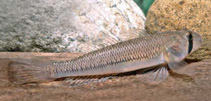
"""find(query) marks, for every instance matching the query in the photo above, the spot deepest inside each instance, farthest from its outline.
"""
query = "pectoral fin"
(156, 75)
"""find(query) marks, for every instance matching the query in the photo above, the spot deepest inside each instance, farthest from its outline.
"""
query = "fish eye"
(190, 42)
(190, 36)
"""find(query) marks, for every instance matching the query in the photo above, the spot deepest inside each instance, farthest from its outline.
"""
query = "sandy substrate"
(193, 83)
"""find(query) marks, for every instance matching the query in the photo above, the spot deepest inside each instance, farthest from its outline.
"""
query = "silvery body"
(155, 49)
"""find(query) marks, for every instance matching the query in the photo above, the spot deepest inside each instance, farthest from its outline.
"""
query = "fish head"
(189, 42)
(194, 41)
(184, 43)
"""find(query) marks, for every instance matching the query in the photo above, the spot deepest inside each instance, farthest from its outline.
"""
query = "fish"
(162, 50)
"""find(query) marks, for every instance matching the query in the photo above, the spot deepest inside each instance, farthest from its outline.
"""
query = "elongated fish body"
(139, 53)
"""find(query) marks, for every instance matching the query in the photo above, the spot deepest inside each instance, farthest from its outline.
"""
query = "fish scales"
(143, 52)
(132, 50)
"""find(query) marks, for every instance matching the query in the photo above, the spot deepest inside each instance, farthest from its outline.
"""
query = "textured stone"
(66, 25)
(183, 14)
(180, 14)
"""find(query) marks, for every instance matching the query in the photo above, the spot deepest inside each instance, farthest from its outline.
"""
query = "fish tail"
(28, 71)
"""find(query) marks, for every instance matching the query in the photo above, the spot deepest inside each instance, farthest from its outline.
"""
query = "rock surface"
(195, 15)
(66, 25)
(167, 15)
(191, 84)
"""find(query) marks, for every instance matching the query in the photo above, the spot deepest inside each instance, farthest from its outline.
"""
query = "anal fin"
(74, 82)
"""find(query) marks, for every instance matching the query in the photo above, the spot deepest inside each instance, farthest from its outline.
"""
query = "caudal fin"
(28, 71)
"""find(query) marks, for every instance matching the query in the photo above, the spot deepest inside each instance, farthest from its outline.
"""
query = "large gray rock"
(66, 25)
